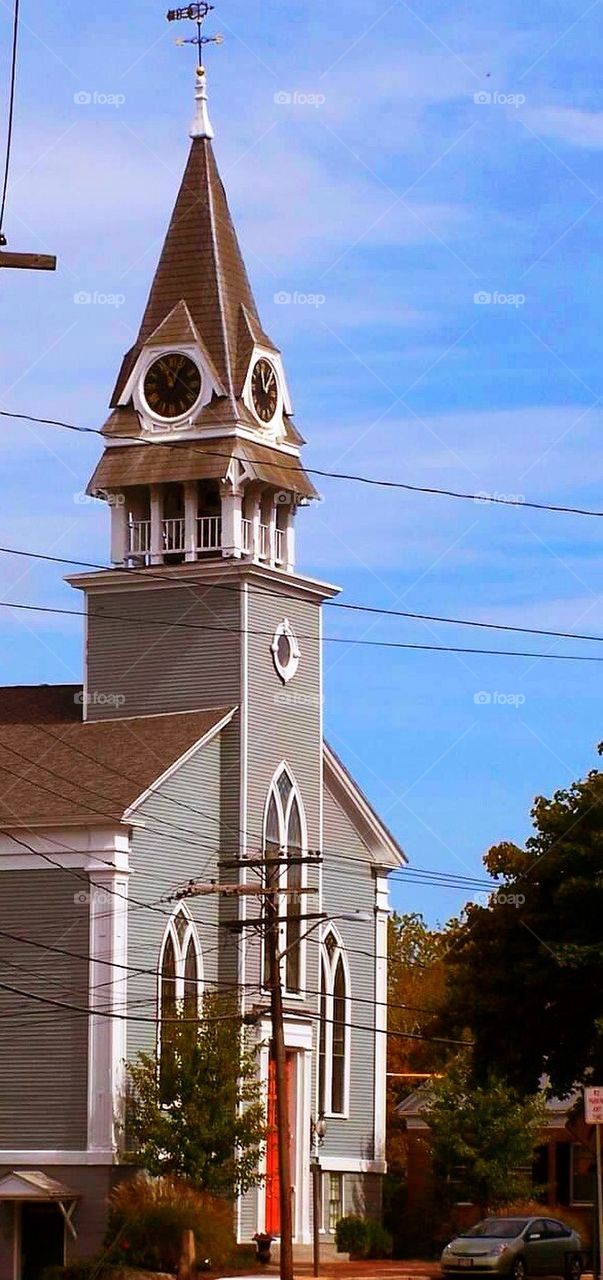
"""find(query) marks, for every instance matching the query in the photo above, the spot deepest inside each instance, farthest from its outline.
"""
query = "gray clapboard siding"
(164, 858)
(44, 1052)
(349, 886)
(151, 668)
(284, 724)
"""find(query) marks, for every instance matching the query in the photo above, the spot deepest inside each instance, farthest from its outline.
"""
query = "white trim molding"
(107, 1036)
(328, 970)
(382, 912)
(341, 1164)
(88, 848)
(177, 764)
(284, 810)
(286, 670)
(53, 1159)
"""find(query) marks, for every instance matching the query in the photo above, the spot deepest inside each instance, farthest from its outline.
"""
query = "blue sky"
(387, 164)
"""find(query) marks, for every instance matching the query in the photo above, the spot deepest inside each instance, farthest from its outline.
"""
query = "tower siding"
(139, 662)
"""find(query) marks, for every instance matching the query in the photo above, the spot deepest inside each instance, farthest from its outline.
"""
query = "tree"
(201, 1116)
(525, 972)
(482, 1139)
(416, 985)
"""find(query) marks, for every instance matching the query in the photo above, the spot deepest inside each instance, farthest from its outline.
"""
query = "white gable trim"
(381, 846)
(183, 759)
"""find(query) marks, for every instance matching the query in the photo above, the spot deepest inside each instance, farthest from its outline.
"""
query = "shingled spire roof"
(201, 265)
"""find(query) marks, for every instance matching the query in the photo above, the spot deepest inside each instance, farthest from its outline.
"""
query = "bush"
(148, 1217)
(362, 1238)
(379, 1241)
(75, 1271)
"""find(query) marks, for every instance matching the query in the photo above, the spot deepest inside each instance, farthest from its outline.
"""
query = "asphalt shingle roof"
(56, 768)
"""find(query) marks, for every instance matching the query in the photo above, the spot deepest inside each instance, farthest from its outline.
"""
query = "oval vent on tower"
(285, 651)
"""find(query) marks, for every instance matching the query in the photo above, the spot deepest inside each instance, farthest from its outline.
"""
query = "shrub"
(351, 1236)
(379, 1240)
(148, 1217)
(75, 1271)
(362, 1238)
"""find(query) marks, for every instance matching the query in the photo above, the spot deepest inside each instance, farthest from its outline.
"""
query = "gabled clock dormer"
(205, 386)
(174, 377)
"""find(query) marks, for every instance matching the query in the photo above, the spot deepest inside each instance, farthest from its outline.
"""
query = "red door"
(273, 1207)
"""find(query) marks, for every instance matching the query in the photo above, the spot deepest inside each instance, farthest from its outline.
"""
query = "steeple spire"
(201, 126)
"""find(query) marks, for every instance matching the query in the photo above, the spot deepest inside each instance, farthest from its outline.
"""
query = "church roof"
(145, 464)
(55, 768)
(201, 265)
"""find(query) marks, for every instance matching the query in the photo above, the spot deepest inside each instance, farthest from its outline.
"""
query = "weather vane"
(195, 13)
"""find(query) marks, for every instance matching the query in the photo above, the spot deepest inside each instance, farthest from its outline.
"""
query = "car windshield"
(497, 1229)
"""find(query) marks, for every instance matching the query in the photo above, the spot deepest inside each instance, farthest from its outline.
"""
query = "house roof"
(146, 464)
(31, 1184)
(557, 1110)
(55, 768)
(202, 266)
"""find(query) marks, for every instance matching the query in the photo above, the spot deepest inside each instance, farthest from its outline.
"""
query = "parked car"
(516, 1247)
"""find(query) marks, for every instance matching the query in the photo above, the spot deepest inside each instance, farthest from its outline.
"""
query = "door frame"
(298, 1039)
(18, 1234)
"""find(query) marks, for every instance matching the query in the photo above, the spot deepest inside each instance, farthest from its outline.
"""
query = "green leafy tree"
(525, 972)
(482, 1139)
(199, 1114)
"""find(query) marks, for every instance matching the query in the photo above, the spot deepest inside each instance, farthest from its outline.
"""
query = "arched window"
(285, 838)
(180, 988)
(334, 1030)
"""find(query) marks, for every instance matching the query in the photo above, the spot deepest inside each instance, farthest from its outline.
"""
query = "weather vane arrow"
(195, 13)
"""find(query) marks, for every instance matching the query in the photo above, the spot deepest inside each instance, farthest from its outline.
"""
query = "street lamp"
(318, 1131)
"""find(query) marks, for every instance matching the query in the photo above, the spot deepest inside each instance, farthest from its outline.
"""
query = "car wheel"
(573, 1268)
(519, 1270)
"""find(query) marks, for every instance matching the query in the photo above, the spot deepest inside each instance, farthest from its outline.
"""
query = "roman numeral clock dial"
(172, 386)
(264, 390)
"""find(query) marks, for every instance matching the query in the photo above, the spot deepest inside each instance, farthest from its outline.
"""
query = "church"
(194, 744)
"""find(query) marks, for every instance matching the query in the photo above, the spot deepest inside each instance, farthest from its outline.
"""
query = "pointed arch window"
(285, 838)
(334, 1030)
(180, 989)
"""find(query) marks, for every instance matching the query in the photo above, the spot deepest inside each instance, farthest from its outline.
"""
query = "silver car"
(516, 1247)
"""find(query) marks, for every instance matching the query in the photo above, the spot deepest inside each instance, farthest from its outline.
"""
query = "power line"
(374, 610)
(484, 499)
(346, 640)
(446, 879)
(11, 116)
(201, 982)
(91, 1011)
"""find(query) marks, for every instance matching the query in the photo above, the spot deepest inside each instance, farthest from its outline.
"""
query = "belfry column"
(232, 523)
(156, 524)
(191, 511)
(119, 529)
(289, 540)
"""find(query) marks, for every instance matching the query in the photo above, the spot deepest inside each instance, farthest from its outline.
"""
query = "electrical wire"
(157, 1021)
(314, 471)
(201, 982)
(374, 610)
(346, 640)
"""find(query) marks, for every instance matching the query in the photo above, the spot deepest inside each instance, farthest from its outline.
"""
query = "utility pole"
(271, 894)
(280, 1072)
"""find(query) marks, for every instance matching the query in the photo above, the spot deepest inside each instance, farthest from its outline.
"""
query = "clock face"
(172, 385)
(264, 389)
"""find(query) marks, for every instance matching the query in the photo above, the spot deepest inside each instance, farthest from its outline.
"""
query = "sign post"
(593, 1114)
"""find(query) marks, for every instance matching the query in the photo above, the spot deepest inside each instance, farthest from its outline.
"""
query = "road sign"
(593, 1114)
(593, 1106)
